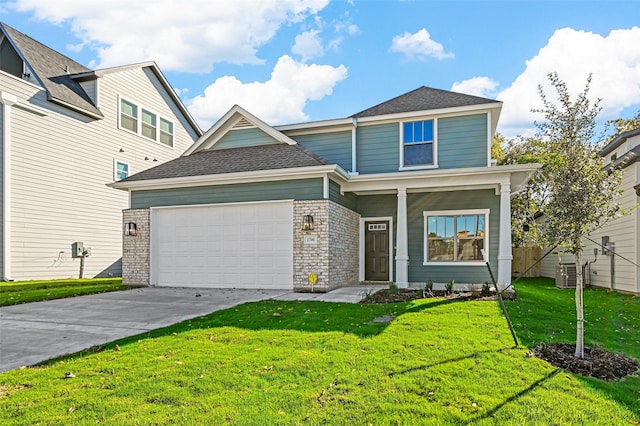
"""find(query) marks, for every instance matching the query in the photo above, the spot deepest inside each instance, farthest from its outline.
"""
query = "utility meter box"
(77, 249)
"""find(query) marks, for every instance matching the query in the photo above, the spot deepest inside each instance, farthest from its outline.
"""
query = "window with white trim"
(418, 143)
(148, 124)
(455, 236)
(120, 170)
(166, 132)
(140, 120)
(128, 116)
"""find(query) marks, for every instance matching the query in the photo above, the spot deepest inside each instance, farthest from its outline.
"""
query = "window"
(128, 116)
(452, 236)
(148, 124)
(148, 121)
(417, 143)
(166, 132)
(121, 170)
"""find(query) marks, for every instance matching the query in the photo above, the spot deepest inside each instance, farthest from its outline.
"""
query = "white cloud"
(476, 86)
(419, 46)
(308, 45)
(187, 36)
(614, 61)
(279, 100)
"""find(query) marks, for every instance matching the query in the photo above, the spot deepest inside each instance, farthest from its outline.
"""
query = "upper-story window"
(128, 116)
(418, 144)
(146, 123)
(166, 132)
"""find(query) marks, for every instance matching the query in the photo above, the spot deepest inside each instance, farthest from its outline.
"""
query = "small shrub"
(429, 286)
(449, 286)
(393, 288)
(486, 289)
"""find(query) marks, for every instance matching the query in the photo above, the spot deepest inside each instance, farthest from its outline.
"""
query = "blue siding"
(244, 137)
(301, 189)
(462, 141)
(378, 148)
(333, 147)
(462, 200)
(348, 200)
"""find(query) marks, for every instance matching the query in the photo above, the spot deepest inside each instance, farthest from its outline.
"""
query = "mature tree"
(573, 191)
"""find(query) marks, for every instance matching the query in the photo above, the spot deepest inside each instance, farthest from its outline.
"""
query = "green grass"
(13, 293)
(276, 362)
(544, 313)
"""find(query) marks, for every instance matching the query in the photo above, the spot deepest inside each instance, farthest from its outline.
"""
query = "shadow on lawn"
(304, 316)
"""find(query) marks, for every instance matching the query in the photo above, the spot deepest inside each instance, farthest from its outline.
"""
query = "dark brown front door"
(376, 255)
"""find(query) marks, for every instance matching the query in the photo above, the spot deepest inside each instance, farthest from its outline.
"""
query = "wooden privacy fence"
(523, 259)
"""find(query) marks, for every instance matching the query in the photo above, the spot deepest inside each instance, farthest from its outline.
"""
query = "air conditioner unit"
(566, 275)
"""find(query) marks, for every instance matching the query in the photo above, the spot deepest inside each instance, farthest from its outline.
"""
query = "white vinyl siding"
(61, 163)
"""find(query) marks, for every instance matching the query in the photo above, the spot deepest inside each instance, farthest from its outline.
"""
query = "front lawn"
(544, 313)
(12, 293)
(276, 362)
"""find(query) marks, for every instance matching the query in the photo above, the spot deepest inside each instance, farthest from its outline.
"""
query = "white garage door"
(247, 245)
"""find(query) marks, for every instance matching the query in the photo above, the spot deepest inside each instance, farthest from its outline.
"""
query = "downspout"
(7, 101)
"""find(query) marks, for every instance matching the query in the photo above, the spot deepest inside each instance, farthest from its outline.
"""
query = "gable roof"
(619, 140)
(236, 116)
(54, 71)
(423, 99)
(232, 160)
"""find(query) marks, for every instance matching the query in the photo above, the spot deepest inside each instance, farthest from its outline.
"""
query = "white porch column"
(504, 249)
(402, 242)
(7, 100)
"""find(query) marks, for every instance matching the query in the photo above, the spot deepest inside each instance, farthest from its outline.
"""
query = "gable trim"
(227, 122)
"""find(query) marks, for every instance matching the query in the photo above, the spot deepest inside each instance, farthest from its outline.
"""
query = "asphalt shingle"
(233, 160)
(423, 99)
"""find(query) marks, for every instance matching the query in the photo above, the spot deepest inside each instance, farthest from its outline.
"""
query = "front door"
(376, 255)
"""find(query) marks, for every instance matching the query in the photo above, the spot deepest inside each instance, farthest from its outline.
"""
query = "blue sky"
(289, 61)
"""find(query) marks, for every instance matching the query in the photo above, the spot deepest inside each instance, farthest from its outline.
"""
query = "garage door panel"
(242, 246)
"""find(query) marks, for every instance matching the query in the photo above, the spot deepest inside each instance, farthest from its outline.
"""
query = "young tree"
(575, 195)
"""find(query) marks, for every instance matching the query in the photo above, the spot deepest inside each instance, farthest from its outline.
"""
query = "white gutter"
(7, 101)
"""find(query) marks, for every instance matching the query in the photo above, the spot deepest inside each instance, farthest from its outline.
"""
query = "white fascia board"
(436, 180)
(430, 112)
(224, 124)
(233, 178)
(315, 126)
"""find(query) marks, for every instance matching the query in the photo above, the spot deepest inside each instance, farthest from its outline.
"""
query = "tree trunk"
(579, 308)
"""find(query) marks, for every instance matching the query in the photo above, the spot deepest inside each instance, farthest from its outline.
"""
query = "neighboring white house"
(66, 131)
(623, 232)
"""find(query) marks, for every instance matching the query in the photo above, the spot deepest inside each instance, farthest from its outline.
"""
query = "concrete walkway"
(34, 332)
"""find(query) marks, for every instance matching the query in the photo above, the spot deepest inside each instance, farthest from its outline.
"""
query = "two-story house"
(404, 191)
(65, 132)
(614, 269)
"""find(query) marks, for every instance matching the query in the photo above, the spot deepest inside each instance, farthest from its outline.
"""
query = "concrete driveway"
(34, 332)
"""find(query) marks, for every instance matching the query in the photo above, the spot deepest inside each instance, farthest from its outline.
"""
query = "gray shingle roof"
(423, 99)
(233, 160)
(53, 70)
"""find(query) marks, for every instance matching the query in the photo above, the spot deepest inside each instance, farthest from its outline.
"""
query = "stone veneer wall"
(136, 249)
(332, 252)
(344, 245)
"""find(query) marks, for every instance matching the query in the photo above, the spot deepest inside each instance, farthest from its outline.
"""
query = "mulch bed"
(406, 295)
(597, 362)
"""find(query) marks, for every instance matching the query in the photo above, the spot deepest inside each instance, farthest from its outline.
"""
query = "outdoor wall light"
(307, 223)
(131, 229)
